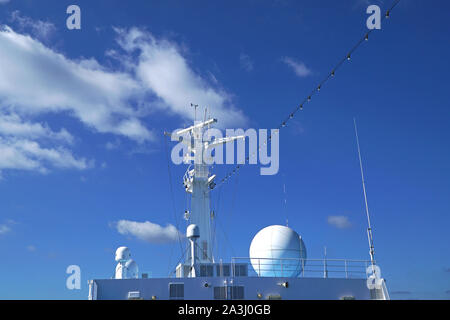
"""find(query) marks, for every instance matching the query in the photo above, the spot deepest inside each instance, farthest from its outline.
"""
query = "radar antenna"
(198, 181)
(195, 106)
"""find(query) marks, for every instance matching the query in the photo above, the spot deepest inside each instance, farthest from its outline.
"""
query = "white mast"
(369, 228)
(198, 181)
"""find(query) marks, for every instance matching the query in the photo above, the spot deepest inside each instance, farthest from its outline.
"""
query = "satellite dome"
(277, 251)
(122, 254)
(132, 269)
(128, 270)
(192, 231)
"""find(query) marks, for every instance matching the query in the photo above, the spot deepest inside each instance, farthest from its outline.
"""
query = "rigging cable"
(285, 203)
(369, 228)
(172, 195)
(316, 90)
(216, 212)
(179, 261)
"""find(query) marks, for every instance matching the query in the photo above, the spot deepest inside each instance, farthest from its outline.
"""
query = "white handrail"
(346, 268)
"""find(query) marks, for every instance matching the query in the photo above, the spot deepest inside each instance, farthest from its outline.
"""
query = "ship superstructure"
(277, 266)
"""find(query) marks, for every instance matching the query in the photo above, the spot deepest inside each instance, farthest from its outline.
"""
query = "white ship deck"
(320, 279)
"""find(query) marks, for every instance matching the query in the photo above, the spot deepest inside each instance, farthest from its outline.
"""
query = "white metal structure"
(122, 254)
(126, 267)
(198, 181)
(193, 233)
(273, 244)
(279, 265)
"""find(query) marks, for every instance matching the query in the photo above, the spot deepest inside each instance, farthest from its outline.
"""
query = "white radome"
(192, 231)
(122, 254)
(277, 251)
(126, 267)
(132, 269)
(127, 270)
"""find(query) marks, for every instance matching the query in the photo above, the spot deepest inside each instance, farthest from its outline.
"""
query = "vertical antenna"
(195, 111)
(285, 203)
(369, 228)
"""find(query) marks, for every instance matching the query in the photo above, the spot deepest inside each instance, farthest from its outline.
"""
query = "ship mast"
(198, 181)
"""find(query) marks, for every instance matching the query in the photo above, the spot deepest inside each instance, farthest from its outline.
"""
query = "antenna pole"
(285, 204)
(325, 266)
(369, 228)
(195, 111)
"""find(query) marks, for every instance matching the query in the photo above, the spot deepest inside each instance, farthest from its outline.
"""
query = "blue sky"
(82, 114)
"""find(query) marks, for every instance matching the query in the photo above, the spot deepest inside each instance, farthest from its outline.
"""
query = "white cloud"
(246, 62)
(4, 229)
(340, 222)
(6, 226)
(40, 29)
(25, 154)
(20, 146)
(4, 1)
(111, 145)
(165, 72)
(12, 125)
(148, 231)
(299, 67)
(35, 81)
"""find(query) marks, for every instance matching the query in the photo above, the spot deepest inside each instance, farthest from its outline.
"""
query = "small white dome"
(122, 254)
(132, 269)
(192, 231)
(277, 251)
(128, 270)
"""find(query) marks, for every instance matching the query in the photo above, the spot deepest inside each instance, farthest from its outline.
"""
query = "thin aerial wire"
(362, 173)
(172, 195)
(316, 90)
(369, 229)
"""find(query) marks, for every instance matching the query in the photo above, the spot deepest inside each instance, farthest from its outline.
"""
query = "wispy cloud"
(49, 82)
(296, 127)
(4, 229)
(340, 222)
(36, 81)
(148, 231)
(25, 154)
(162, 70)
(246, 62)
(298, 67)
(4, 1)
(14, 126)
(112, 145)
(42, 30)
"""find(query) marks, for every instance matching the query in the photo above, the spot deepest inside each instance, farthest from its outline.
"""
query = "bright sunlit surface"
(85, 167)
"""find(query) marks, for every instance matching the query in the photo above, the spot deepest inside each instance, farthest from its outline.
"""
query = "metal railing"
(291, 267)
